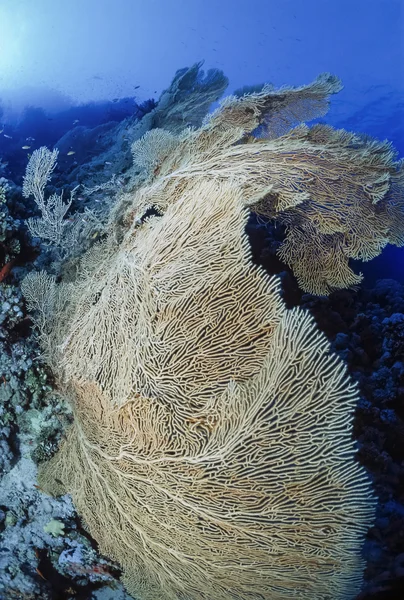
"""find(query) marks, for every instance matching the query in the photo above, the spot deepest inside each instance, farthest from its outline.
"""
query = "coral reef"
(184, 104)
(172, 192)
(187, 374)
(9, 226)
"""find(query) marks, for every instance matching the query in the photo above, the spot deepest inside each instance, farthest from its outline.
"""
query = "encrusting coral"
(211, 451)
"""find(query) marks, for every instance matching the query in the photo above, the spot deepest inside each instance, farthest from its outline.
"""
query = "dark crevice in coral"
(56, 585)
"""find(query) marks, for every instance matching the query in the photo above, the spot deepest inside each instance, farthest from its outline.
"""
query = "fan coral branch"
(211, 453)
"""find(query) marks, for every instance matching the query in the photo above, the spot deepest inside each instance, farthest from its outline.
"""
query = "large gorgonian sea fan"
(339, 192)
(211, 453)
(223, 467)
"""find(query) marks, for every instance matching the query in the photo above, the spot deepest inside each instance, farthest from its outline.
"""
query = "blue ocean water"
(84, 77)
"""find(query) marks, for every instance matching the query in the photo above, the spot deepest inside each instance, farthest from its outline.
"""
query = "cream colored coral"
(341, 191)
(211, 453)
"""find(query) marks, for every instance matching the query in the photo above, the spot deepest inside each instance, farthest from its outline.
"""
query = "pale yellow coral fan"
(211, 453)
(341, 191)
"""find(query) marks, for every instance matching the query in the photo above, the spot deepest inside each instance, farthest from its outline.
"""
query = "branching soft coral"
(354, 205)
(211, 453)
(340, 192)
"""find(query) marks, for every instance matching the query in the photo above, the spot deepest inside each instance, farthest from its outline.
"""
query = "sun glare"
(10, 47)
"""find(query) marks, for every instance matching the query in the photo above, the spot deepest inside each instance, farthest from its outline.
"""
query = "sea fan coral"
(211, 452)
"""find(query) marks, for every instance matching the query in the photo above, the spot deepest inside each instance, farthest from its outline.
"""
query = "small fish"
(137, 87)
(26, 147)
(30, 139)
(1, 130)
(76, 121)
(108, 163)
(9, 137)
(71, 152)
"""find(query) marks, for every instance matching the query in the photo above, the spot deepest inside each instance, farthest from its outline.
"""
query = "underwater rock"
(185, 103)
